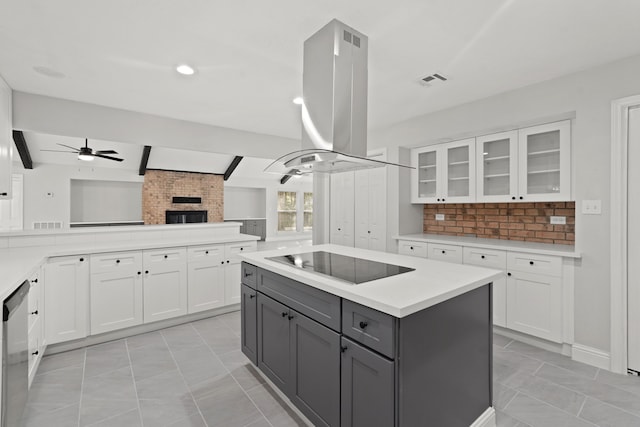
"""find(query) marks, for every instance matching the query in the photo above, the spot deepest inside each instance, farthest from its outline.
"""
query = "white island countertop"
(430, 283)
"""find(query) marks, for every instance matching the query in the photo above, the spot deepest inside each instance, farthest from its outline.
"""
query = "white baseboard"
(487, 419)
(591, 356)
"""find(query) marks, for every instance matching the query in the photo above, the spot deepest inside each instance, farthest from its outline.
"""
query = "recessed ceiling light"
(185, 69)
(298, 100)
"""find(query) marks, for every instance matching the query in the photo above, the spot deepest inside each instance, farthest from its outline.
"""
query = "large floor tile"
(154, 338)
(61, 360)
(182, 337)
(502, 395)
(199, 364)
(505, 420)
(107, 357)
(163, 386)
(63, 417)
(127, 419)
(273, 408)
(115, 385)
(166, 412)
(95, 411)
(605, 415)
(149, 361)
(500, 340)
(539, 414)
(56, 389)
(194, 420)
(242, 369)
(553, 358)
(629, 383)
(227, 405)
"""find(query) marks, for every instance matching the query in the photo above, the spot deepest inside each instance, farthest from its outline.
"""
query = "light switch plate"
(439, 217)
(558, 220)
(592, 207)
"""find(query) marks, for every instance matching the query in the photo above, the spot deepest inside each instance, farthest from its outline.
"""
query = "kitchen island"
(411, 349)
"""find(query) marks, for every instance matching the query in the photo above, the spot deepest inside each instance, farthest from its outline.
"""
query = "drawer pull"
(251, 296)
(363, 325)
(530, 262)
(81, 259)
(35, 312)
(513, 197)
(508, 274)
(291, 317)
(34, 281)
(242, 249)
(4, 194)
(411, 247)
(221, 262)
(166, 256)
(521, 197)
(444, 252)
(285, 314)
(35, 353)
(206, 252)
(227, 261)
(117, 261)
(343, 348)
(482, 256)
(146, 272)
(248, 274)
(139, 273)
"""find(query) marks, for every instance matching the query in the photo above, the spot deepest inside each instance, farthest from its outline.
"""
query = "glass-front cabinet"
(544, 162)
(444, 173)
(497, 167)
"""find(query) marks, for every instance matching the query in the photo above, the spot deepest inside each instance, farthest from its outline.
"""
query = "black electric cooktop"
(349, 269)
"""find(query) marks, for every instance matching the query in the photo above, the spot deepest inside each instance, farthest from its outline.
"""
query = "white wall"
(47, 189)
(586, 96)
(243, 202)
(123, 201)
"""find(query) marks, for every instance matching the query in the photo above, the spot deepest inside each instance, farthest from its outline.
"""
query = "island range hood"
(334, 106)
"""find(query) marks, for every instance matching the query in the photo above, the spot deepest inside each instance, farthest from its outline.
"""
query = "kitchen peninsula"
(413, 347)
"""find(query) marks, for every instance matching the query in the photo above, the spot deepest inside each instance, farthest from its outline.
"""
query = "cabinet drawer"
(319, 305)
(450, 253)
(406, 247)
(249, 275)
(370, 327)
(485, 258)
(233, 249)
(116, 261)
(164, 256)
(197, 253)
(532, 263)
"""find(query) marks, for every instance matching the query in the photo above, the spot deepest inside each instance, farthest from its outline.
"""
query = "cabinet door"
(116, 300)
(206, 280)
(66, 298)
(497, 167)
(534, 305)
(426, 181)
(273, 341)
(459, 184)
(378, 209)
(342, 209)
(545, 162)
(500, 302)
(361, 209)
(249, 324)
(165, 284)
(315, 370)
(232, 269)
(367, 387)
(6, 141)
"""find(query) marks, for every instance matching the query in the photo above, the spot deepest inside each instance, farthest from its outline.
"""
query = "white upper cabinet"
(6, 140)
(444, 173)
(497, 167)
(544, 162)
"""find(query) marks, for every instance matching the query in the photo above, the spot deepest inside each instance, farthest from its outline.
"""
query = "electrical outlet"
(592, 207)
(558, 220)
(439, 217)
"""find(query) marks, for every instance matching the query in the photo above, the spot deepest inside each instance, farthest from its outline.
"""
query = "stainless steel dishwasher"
(15, 360)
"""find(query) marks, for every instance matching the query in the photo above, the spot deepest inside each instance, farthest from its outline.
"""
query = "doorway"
(633, 240)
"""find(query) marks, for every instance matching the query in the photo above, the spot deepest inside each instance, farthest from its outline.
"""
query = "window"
(308, 212)
(287, 211)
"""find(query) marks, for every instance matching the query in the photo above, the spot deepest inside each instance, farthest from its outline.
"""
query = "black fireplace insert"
(185, 217)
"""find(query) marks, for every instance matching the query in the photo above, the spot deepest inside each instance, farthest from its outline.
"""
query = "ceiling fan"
(87, 154)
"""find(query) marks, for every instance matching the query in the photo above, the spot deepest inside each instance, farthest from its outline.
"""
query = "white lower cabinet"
(35, 324)
(206, 279)
(66, 298)
(528, 299)
(492, 259)
(534, 298)
(165, 283)
(116, 291)
(232, 267)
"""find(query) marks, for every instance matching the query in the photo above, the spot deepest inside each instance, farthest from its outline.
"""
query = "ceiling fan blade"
(68, 146)
(108, 157)
(105, 152)
(61, 151)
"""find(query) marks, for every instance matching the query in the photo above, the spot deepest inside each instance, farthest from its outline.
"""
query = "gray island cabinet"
(342, 363)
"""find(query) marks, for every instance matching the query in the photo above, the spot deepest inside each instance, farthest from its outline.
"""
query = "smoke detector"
(432, 78)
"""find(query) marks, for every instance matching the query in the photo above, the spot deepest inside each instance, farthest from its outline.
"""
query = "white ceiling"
(122, 53)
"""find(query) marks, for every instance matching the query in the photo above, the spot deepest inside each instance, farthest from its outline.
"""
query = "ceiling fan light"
(85, 157)
(185, 70)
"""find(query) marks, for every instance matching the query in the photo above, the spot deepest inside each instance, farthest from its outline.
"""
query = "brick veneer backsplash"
(507, 221)
(160, 186)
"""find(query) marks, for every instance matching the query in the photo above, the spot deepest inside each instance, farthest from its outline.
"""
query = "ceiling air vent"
(432, 78)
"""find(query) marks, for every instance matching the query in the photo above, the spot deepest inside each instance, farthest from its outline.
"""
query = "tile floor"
(195, 375)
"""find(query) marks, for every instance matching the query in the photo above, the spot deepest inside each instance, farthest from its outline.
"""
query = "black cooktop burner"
(349, 269)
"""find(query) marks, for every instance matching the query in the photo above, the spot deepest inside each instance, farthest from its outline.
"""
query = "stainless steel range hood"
(334, 108)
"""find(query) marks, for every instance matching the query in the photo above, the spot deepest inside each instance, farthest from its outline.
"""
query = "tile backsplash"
(507, 221)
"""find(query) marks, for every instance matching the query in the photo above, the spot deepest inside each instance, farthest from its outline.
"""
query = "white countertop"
(17, 264)
(512, 245)
(432, 281)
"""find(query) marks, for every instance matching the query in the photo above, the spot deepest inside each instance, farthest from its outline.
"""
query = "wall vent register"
(348, 269)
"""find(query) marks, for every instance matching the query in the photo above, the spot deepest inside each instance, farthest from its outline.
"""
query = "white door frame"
(618, 263)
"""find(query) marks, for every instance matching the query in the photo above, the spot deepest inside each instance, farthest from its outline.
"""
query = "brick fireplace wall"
(161, 186)
(507, 221)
